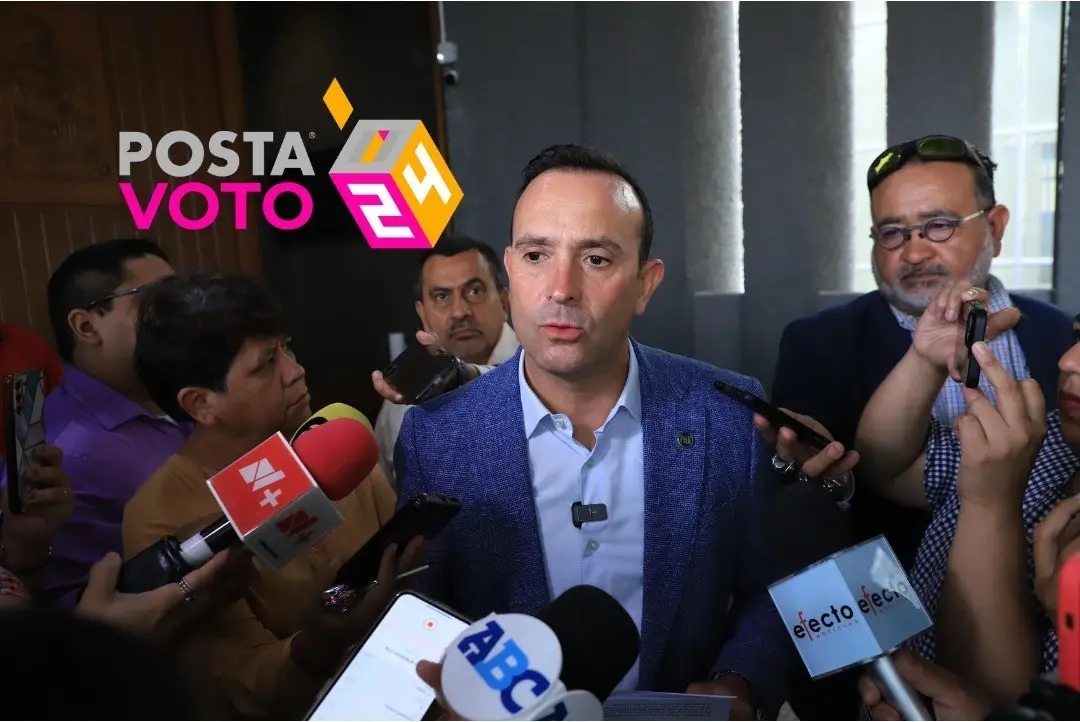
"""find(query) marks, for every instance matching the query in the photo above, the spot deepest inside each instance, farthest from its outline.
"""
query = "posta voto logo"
(389, 173)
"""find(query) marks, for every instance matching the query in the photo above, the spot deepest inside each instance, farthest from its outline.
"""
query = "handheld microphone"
(277, 499)
(843, 608)
(329, 413)
(561, 664)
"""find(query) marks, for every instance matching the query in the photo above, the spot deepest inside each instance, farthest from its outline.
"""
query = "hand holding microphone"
(951, 700)
(277, 500)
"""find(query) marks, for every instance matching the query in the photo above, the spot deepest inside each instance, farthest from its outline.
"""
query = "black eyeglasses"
(938, 230)
(931, 147)
(113, 296)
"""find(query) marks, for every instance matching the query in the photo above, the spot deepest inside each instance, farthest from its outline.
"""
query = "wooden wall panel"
(102, 68)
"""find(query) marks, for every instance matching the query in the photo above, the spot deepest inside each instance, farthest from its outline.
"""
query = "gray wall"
(655, 84)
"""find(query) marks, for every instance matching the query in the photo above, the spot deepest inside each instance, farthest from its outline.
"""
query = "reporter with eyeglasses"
(936, 221)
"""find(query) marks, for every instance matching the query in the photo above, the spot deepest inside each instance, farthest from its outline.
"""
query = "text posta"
(137, 147)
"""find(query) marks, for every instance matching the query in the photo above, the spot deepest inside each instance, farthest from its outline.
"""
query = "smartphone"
(773, 415)
(974, 331)
(24, 409)
(424, 515)
(421, 372)
(379, 681)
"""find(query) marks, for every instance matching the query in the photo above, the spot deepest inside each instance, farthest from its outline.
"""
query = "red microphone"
(277, 499)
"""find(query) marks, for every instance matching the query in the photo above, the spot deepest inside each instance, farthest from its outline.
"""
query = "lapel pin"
(686, 439)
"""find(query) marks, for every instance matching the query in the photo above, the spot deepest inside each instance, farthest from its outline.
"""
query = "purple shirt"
(111, 446)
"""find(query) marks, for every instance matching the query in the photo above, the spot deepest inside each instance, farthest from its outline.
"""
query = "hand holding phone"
(379, 681)
(827, 459)
(420, 373)
(23, 397)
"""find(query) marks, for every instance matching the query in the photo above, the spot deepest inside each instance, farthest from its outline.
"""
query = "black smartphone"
(773, 415)
(24, 410)
(974, 331)
(421, 372)
(379, 681)
(423, 515)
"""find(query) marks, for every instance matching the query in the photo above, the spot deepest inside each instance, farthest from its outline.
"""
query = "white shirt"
(608, 554)
(388, 425)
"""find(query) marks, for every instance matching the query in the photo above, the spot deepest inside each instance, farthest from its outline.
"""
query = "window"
(869, 105)
(1027, 72)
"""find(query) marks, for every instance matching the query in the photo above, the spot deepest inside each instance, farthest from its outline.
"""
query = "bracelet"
(22, 571)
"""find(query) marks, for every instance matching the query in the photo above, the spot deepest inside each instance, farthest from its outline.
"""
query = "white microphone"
(560, 665)
(855, 608)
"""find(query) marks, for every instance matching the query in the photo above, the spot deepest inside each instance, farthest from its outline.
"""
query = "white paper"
(666, 706)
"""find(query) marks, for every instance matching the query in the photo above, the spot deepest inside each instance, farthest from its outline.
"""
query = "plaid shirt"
(1006, 347)
(1054, 468)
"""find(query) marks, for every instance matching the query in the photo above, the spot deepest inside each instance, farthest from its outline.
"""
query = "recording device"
(423, 515)
(277, 501)
(974, 331)
(420, 373)
(24, 430)
(585, 513)
(854, 608)
(773, 415)
(561, 664)
(832, 628)
(379, 681)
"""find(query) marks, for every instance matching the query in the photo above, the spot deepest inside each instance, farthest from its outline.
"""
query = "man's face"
(575, 278)
(265, 392)
(115, 326)
(1069, 391)
(911, 276)
(462, 305)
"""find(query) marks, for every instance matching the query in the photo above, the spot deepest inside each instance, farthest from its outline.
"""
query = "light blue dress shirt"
(608, 554)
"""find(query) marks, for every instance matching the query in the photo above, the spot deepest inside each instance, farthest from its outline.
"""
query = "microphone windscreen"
(599, 640)
(339, 454)
(803, 525)
(329, 413)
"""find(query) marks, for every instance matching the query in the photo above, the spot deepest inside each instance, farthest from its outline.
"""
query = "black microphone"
(585, 513)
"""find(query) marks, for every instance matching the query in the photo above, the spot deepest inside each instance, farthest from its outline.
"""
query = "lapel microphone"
(584, 513)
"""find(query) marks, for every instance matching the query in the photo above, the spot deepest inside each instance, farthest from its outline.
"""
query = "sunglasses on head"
(929, 148)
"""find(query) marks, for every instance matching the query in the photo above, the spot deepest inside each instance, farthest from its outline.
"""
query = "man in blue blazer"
(936, 221)
(582, 413)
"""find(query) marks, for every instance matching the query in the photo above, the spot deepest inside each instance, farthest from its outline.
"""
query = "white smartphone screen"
(380, 681)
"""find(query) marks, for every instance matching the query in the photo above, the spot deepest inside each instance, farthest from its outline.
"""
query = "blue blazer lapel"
(674, 459)
(515, 552)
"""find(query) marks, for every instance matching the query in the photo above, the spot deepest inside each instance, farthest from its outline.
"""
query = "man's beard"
(915, 303)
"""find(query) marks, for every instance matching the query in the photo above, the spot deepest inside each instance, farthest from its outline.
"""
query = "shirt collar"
(506, 347)
(110, 407)
(534, 412)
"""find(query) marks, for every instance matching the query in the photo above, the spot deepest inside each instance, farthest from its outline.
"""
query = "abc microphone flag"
(558, 665)
(853, 608)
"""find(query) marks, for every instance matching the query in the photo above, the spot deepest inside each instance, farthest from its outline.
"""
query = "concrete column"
(711, 166)
(796, 149)
(941, 70)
